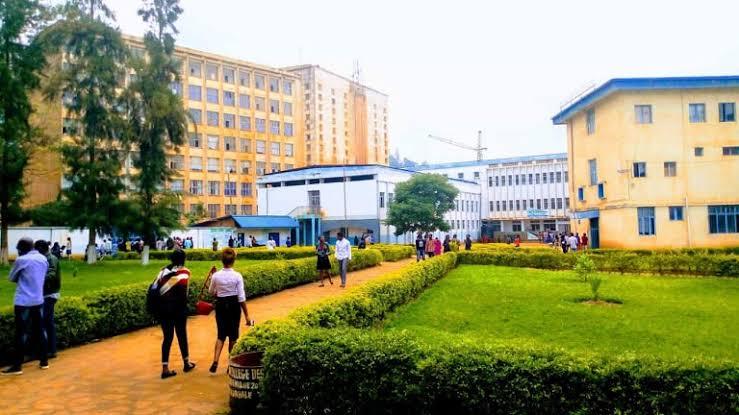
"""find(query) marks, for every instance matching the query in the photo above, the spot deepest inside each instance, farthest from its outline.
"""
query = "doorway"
(275, 236)
(594, 233)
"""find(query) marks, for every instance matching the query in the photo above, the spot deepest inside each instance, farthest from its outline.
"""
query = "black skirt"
(228, 317)
(323, 263)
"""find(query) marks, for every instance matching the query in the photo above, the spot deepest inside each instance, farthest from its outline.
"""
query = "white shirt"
(227, 283)
(343, 249)
(573, 242)
(271, 244)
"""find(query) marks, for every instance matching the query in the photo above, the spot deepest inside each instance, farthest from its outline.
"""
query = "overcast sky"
(454, 67)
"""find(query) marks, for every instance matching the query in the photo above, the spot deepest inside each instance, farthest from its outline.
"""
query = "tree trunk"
(3, 243)
(145, 255)
(92, 255)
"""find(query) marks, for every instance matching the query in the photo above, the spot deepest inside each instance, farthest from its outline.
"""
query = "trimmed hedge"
(393, 253)
(615, 261)
(117, 310)
(202, 254)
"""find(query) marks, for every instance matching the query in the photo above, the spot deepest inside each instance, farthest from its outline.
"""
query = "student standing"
(172, 282)
(467, 243)
(420, 248)
(271, 244)
(517, 241)
(584, 241)
(52, 286)
(573, 242)
(29, 273)
(447, 244)
(429, 246)
(563, 242)
(437, 247)
(215, 244)
(343, 255)
(323, 264)
(227, 286)
(69, 247)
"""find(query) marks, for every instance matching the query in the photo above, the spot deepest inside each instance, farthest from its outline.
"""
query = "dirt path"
(120, 375)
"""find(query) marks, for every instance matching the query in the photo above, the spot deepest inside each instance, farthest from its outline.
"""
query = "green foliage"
(420, 204)
(21, 62)
(393, 253)
(202, 254)
(584, 267)
(595, 283)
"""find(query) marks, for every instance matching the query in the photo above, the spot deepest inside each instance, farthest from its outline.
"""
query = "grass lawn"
(105, 274)
(672, 318)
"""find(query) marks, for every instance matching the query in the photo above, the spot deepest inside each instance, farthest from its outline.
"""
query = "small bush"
(393, 253)
(584, 267)
(595, 283)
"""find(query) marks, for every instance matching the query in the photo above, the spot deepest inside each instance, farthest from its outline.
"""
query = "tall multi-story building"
(247, 122)
(654, 162)
(518, 194)
(345, 122)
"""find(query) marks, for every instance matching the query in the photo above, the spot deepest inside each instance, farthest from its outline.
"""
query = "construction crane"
(479, 148)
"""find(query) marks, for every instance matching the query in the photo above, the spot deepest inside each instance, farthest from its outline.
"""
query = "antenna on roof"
(357, 74)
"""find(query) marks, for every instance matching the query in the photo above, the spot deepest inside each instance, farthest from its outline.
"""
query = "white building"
(355, 199)
(519, 194)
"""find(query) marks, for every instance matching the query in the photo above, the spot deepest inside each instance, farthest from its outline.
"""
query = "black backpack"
(153, 297)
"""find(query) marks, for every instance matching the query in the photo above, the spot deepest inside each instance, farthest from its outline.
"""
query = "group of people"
(429, 246)
(567, 241)
(37, 275)
(343, 254)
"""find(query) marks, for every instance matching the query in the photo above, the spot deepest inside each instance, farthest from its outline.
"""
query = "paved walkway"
(120, 375)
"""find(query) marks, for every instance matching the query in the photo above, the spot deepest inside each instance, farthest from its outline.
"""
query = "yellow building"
(346, 122)
(248, 123)
(654, 162)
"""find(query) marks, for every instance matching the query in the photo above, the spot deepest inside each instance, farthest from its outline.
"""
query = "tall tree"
(21, 60)
(157, 120)
(420, 204)
(94, 58)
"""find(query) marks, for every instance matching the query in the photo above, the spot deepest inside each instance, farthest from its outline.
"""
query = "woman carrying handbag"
(172, 284)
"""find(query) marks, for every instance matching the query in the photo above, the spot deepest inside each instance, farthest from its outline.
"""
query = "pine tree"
(21, 60)
(94, 65)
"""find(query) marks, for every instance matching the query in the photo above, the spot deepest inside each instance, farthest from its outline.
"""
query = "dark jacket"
(53, 280)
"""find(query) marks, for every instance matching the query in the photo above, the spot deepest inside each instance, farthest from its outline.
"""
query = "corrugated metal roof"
(335, 170)
(454, 164)
(264, 222)
(638, 84)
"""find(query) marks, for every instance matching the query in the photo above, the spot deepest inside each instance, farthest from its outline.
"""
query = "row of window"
(721, 219)
(228, 98)
(214, 210)
(533, 178)
(229, 165)
(229, 121)
(553, 203)
(213, 187)
(696, 114)
(389, 199)
(229, 76)
(466, 205)
(466, 225)
(213, 142)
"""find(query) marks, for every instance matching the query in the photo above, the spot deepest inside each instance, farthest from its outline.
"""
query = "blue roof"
(454, 164)
(640, 84)
(264, 221)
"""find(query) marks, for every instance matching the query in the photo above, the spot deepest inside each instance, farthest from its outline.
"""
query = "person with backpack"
(171, 309)
(420, 248)
(52, 287)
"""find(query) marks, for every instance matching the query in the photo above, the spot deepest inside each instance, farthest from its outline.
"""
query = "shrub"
(201, 254)
(584, 267)
(394, 253)
(595, 283)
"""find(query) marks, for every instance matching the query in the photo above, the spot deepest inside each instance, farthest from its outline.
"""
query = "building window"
(643, 114)
(538, 203)
(194, 93)
(214, 188)
(274, 127)
(244, 101)
(229, 143)
(551, 177)
(229, 120)
(244, 123)
(698, 151)
(531, 178)
(211, 95)
(382, 200)
(176, 162)
(531, 203)
(537, 178)
(544, 177)
(559, 203)
(195, 140)
(275, 167)
(546, 203)
(697, 112)
(559, 176)
(275, 147)
(492, 206)
(274, 85)
(601, 191)
(195, 68)
(245, 145)
(567, 203)
(516, 179)
(460, 175)
(196, 163)
(228, 75)
(590, 121)
(287, 87)
(196, 187)
(229, 98)
(213, 164)
(260, 146)
(518, 205)
(211, 72)
(212, 118)
(645, 217)
(288, 108)
(243, 78)
(230, 209)
(259, 104)
(510, 180)
(288, 129)
(497, 183)
(245, 166)
(259, 81)
(731, 151)
(229, 188)
(261, 125)
(723, 219)
(567, 176)
(580, 194)
(229, 165)
(726, 112)
(516, 226)
(246, 209)
(510, 205)
(640, 169)
(593, 168)
(504, 206)
(213, 142)
(670, 169)
(274, 106)
(288, 150)
(196, 116)
(245, 189)
(676, 213)
(177, 185)
(497, 205)
(214, 210)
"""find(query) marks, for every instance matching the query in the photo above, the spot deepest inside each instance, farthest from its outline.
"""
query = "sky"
(452, 68)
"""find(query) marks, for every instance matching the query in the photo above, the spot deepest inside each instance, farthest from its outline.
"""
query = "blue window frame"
(726, 112)
(645, 216)
(697, 112)
(676, 213)
(601, 191)
(723, 219)
(640, 169)
(195, 93)
(593, 168)
(229, 188)
(580, 194)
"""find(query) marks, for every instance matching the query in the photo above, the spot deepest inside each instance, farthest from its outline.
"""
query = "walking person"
(323, 264)
(172, 282)
(52, 287)
(584, 241)
(467, 243)
(29, 273)
(56, 250)
(343, 256)
(517, 241)
(572, 241)
(447, 244)
(215, 245)
(429, 246)
(69, 247)
(420, 248)
(227, 286)
(437, 247)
